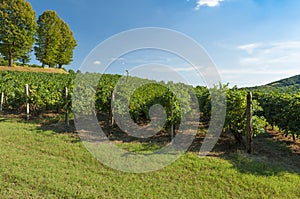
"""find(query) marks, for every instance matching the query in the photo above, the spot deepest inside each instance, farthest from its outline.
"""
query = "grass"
(43, 164)
(32, 69)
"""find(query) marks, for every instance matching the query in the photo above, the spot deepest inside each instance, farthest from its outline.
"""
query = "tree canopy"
(54, 40)
(17, 29)
(66, 45)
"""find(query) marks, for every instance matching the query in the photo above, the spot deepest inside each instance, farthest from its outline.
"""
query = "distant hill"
(32, 69)
(288, 82)
(291, 83)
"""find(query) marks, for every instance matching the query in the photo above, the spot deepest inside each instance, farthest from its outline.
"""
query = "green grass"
(42, 164)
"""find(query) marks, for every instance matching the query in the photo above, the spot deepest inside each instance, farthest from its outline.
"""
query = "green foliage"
(137, 103)
(48, 38)
(3, 62)
(25, 58)
(66, 45)
(281, 109)
(46, 90)
(18, 26)
(236, 104)
(259, 124)
(55, 41)
(236, 110)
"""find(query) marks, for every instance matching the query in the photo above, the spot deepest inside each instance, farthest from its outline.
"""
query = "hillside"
(288, 82)
(291, 83)
(32, 69)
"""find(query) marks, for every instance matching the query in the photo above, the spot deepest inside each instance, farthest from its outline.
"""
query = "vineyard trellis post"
(172, 124)
(67, 107)
(249, 127)
(1, 103)
(113, 109)
(27, 101)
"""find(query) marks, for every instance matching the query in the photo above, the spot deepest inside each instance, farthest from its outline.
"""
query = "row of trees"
(19, 31)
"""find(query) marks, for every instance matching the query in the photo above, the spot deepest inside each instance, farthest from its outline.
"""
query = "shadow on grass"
(271, 157)
(251, 165)
(3, 119)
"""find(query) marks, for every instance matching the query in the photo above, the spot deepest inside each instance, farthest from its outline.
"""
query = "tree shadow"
(271, 157)
(3, 119)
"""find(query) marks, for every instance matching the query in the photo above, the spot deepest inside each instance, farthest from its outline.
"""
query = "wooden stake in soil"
(112, 110)
(1, 103)
(27, 102)
(172, 126)
(67, 107)
(249, 127)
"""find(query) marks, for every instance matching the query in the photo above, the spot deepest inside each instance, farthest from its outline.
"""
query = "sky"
(251, 42)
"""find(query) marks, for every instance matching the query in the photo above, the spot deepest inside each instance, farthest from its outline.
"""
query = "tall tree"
(55, 41)
(17, 29)
(66, 45)
(25, 58)
(48, 38)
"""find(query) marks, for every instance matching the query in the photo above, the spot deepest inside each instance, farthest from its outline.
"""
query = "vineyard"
(47, 94)
(62, 158)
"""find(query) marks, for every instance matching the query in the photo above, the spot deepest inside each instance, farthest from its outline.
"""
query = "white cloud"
(259, 63)
(273, 55)
(249, 48)
(250, 77)
(209, 3)
(289, 72)
(97, 62)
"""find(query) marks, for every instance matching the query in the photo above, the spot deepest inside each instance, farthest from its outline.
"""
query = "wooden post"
(172, 126)
(67, 107)
(27, 102)
(249, 127)
(112, 109)
(1, 102)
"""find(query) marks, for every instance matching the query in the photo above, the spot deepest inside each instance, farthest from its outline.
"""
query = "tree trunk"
(11, 60)
(249, 127)
(59, 65)
(43, 64)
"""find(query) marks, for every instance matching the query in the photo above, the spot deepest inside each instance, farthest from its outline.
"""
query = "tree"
(55, 41)
(47, 38)
(25, 58)
(18, 26)
(66, 45)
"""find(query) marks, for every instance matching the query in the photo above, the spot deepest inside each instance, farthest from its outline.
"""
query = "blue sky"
(251, 42)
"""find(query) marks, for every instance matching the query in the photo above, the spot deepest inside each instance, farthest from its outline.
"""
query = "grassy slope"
(39, 164)
(32, 69)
